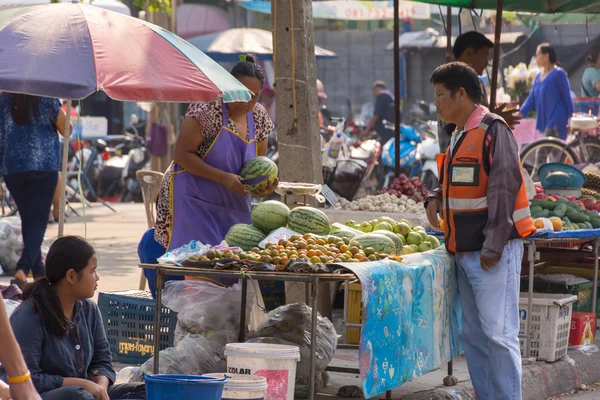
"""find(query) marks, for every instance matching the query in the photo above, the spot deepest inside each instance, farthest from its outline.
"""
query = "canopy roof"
(534, 6)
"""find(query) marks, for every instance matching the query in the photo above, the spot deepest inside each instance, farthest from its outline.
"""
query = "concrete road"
(115, 237)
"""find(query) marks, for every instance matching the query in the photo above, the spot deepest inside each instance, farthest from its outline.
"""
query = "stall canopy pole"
(449, 53)
(496, 62)
(397, 85)
(63, 181)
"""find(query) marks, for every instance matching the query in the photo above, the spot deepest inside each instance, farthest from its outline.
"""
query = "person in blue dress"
(29, 164)
(550, 95)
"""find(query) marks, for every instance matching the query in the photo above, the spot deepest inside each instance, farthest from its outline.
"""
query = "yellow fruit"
(557, 224)
(538, 223)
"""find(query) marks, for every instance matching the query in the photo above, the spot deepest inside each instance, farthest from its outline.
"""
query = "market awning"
(534, 6)
(228, 45)
(430, 38)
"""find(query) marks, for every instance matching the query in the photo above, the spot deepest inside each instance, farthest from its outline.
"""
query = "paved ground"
(115, 237)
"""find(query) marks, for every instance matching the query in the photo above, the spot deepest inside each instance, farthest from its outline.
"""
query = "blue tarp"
(578, 234)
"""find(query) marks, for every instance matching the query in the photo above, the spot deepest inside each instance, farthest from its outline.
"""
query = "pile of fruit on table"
(310, 237)
(565, 213)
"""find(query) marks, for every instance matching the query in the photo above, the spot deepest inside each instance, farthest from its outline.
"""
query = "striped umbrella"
(71, 50)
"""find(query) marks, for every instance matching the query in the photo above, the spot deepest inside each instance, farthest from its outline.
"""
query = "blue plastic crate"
(128, 319)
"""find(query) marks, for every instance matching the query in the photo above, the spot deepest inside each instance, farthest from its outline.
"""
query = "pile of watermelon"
(271, 215)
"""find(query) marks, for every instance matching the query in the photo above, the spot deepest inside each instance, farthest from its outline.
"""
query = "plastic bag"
(291, 325)
(11, 306)
(11, 244)
(193, 355)
(130, 375)
(193, 248)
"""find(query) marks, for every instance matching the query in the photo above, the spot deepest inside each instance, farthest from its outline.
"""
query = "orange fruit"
(538, 223)
(557, 224)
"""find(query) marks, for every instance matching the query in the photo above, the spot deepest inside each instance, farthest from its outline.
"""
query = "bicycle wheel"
(591, 152)
(545, 151)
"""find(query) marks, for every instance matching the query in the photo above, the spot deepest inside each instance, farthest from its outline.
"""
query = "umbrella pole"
(496, 62)
(63, 186)
(397, 86)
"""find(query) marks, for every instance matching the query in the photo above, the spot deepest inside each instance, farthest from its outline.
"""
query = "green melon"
(309, 220)
(259, 166)
(270, 215)
(244, 236)
(397, 241)
(380, 243)
(343, 233)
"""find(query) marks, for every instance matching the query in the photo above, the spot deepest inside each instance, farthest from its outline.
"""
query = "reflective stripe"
(466, 204)
(520, 214)
(483, 126)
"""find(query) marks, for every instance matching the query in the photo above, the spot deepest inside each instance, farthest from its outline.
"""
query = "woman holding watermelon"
(201, 195)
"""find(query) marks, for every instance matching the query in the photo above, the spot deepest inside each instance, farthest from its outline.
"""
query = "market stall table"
(582, 236)
(411, 313)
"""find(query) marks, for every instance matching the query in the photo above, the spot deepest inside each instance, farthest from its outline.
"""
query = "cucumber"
(544, 214)
(573, 205)
(588, 225)
(566, 221)
(592, 214)
(581, 225)
(595, 222)
(572, 210)
(547, 204)
(563, 201)
(536, 211)
(560, 210)
(578, 217)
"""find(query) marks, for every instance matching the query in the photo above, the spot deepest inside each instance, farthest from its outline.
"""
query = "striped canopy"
(71, 50)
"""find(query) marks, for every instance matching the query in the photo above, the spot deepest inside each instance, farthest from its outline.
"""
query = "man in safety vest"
(485, 210)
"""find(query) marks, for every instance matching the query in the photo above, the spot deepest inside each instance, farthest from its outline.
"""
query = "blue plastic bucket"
(183, 387)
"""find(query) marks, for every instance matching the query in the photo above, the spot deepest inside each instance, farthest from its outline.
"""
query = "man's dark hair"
(456, 75)
(470, 40)
(379, 85)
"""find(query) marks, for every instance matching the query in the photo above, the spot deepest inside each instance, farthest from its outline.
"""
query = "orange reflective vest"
(464, 192)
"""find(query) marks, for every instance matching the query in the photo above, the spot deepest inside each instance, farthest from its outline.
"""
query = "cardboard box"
(583, 326)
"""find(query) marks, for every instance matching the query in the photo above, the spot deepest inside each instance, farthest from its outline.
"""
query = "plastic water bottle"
(335, 145)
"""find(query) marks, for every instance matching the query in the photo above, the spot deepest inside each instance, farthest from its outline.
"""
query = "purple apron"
(202, 209)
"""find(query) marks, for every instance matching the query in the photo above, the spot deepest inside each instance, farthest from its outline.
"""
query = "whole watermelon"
(259, 166)
(244, 236)
(309, 220)
(270, 215)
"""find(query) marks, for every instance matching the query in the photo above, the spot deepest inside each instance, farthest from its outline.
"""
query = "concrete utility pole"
(296, 92)
(297, 111)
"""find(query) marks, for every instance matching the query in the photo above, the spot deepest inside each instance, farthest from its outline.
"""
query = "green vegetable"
(588, 225)
(581, 225)
(592, 214)
(545, 204)
(595, 222)
(560, 210)
(544, 214)
(578, 217)
(566, 221)
(536, 212)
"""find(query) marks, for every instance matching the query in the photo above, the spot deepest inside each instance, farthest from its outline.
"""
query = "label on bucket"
(278, 383)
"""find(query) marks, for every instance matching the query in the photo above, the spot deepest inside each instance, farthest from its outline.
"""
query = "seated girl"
(60, 329)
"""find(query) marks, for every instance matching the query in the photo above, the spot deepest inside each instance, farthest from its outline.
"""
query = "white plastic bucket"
(277, 363)
(242, 387)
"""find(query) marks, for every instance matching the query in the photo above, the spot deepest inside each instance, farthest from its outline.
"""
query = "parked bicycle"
(581, 148)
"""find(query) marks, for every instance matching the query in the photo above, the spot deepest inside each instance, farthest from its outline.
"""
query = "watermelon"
(380, 243)
(343, 233)
(259, 166)
(270, 215)
(397, 241)
(244, 236)
(308, 220)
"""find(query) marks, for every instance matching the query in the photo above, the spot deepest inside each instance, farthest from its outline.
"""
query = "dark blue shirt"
(384, 110)
(33, 147)
(52, 358)
(552, 102)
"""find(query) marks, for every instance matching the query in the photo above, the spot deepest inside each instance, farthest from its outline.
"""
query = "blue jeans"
(33, 193)
(490, 319)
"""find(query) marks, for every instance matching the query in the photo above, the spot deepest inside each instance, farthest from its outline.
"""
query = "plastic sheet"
(291, 325)
(11, 244)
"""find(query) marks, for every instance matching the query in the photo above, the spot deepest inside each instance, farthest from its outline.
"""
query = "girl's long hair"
(23, 107)
(66, 253)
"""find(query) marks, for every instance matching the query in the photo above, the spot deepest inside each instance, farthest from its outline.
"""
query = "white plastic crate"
(551, 323)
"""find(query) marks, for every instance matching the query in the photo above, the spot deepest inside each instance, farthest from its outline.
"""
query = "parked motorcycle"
(138, 159)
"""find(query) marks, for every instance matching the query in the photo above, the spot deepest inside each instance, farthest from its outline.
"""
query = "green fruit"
(387, 219)
(414, 238)
(423, 235)
(425, 246)
(407, 223)
(343, 233)
(402, 238)
(256, 167)
(403, 228)
(270, 215)
(435, 243)
(244, 236)
(397, 241)
(373, 223)
(309, 220)
(384, 226)
(366, 227)
(419, 228)
(407, 250)
(414, 247)
(379, 243)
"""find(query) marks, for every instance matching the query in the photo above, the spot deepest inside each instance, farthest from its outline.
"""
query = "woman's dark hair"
(66, 253)
(21, 108)
(593, 54)
(456, 75)
(546, 48)
(248, 68)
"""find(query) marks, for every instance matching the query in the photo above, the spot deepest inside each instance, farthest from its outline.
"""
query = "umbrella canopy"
(534, 6)
(71, 50)
(226, 46)
(113, 5)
